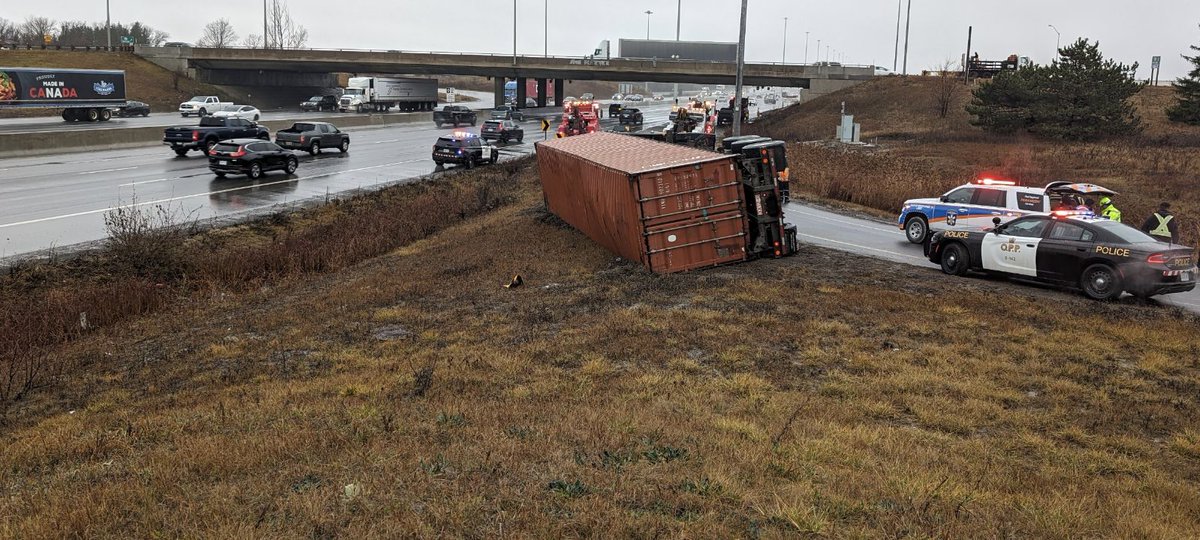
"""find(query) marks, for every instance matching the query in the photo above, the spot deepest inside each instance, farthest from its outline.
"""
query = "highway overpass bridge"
(316, 68)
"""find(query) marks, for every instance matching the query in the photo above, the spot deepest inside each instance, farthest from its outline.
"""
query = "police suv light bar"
(994, 182)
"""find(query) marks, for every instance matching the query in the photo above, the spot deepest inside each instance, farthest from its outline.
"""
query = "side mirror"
(944, 198)
(996, 226)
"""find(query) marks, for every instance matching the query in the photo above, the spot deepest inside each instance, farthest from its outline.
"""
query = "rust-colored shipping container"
(673, 208)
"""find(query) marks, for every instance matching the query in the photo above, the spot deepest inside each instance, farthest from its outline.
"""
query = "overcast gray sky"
(864, 30)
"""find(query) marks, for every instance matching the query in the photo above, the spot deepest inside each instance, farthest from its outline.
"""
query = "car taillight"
(241, 151)
(302, 139)
(1157, 258)
(195, 135)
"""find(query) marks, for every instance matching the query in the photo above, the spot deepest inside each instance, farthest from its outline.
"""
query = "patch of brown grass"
(764, 399)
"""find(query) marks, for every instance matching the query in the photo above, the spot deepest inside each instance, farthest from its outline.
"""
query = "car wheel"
(203, 112)
(521, 139)
(495, 157)
(256, 118)
(181, 152)
(345, 147)
(470, 162)
(219, 174)
(208, 145)
(255, 171)
(315, 148)
(1101, 282)
(105, 115)
(439, 125)
(291, 166)
(955, 260)
(145, 114)
(916, 229)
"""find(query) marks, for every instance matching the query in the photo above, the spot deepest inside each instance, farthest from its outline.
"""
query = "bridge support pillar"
(522, 92)
(541, 92)
(498, 90)
(559, 88)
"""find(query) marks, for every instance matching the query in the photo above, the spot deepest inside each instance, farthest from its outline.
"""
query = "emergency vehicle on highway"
(972, 206)
(579, 118)
(1076, 249)
(463, 148)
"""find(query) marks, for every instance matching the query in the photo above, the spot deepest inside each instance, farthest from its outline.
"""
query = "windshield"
(499, 113)
(353, 92)
(490, 124)
(449, 142)
(209, 121)
(230, 108)
(197, 98)
(1124, 232)
(316, 98)
(303, 127)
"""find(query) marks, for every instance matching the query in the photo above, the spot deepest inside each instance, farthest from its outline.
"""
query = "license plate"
(1186, 276)
(223, 162)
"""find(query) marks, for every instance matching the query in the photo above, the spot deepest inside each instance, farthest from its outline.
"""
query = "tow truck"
(579, 118)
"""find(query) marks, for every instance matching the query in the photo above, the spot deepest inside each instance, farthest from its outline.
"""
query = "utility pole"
(907, 24)
(546, 21)
(784, 61)
(515, 34)
(648, 14)
(1057, 41)
(806, 48)
(967, 59)
(741, 63)
(264, 43)
(108, 23)
(678, 20)
(896, 53)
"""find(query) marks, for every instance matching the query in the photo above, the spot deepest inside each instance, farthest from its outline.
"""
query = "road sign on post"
(545, 128)
(126, 40)
(47, 39)
(1155, 61)
(450, 94)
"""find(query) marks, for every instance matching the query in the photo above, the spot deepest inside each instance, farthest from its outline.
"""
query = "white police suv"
(972, 206)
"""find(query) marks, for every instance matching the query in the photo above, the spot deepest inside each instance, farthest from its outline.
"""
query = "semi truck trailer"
(82, 94)
(380, 94)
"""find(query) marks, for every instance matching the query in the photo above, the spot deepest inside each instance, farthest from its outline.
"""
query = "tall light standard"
(108, 23)
(784, 61)
(818, 50)
(546, 21)
(896, 53)
(514, 32)
(1057, 40)
(678, 20)
(741, 63)
(648, 14)
(907, 25)
(806, 48)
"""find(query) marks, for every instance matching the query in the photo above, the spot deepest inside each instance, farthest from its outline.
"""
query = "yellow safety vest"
(1111, 213)
(1162, 229)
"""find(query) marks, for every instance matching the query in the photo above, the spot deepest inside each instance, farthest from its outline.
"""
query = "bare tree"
(282, 31)
(947, 88)
(218, 34)
(252, 41)
(8, 31)
(156, 38)
(34, 28)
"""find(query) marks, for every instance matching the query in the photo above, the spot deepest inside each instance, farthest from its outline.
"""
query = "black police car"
(462, 148)
(1079, 250)
(251, 157)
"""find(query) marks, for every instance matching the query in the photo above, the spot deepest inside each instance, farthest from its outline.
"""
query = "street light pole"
(896, 53)
(784, 61)
(515, 33)
(648, 14)
(108, 23)
(806, 48)
(907, 24)
(1057, 41)
(264, 43)
(546, 21)
(678, 20)
(741, 63)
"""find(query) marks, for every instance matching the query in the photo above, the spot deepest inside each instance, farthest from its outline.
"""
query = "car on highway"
(635, 97)
(200, 106)
(587, 96)
(251, 157)
(245, 112)
(454, 115)
(972, 206)
(657, 97)
(618, 97)
(177, 44)
(463, 148)
(312, 137)
(504, 131)
(132, 108)
(203, 137)
(320, 103)
(630, 116)
(508, 112)
(1075, 249)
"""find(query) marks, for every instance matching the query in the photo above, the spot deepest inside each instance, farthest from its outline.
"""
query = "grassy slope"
(599, 400)
(144, 81)
(921, 155)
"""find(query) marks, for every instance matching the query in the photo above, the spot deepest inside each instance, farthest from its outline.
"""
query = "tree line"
(1081, 95)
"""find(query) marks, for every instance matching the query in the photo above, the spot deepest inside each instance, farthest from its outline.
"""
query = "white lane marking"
(856, 246)
(108, 170)
(146, 182)
(182, 197)
(387, 141)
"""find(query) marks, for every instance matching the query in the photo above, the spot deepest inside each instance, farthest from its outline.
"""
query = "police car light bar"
(463, 134)
(1065, 213)
(994, 182)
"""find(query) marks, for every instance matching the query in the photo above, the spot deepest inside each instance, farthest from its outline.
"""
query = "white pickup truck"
(201, 106)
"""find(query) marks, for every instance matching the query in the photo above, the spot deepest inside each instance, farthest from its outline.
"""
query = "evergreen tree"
(1079, 96)
(1187, 94)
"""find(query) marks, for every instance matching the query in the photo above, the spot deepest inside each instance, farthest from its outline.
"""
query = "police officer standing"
(1161, 225)
(1108, 210)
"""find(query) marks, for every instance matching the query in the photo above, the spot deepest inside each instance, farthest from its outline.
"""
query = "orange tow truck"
(579, 118)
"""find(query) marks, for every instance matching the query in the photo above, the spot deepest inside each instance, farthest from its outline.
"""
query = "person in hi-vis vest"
(1162, 224)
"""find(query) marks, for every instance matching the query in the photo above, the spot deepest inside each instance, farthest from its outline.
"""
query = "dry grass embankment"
(144, 81)
(922, 155)
(412, 395)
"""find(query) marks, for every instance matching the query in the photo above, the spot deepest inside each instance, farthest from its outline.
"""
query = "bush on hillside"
(1080, 96)
(1187, 94)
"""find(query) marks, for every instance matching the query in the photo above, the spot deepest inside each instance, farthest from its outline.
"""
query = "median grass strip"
(411, 394)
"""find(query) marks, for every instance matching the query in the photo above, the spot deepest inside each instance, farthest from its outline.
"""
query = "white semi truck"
(379, 94)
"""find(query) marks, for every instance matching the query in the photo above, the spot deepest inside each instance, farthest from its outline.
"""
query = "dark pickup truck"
(320, 103)
(454, 115)
(312, 137)
(211, 130)
(630, 117)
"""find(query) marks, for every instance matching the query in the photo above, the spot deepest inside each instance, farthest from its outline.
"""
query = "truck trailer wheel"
(92, 115)
(68, 115)
(105, 115)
